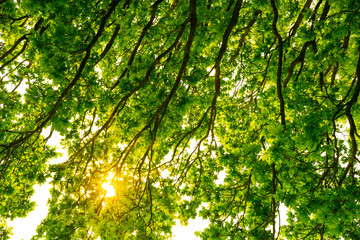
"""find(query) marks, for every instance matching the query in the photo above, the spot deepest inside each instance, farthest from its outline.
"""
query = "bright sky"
(25, 228)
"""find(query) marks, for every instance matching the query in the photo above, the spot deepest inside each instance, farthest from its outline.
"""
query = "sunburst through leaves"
(108, 187)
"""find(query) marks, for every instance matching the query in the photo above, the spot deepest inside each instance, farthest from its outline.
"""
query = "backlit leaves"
(170, 95)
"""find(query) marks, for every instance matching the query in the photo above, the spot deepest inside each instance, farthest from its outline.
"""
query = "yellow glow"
(110, 191)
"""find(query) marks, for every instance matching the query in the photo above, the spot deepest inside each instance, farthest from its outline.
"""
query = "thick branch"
(193, 22)
(225, 38)
(16, 56)
(282, 107)
(297, 60)
(350, 118)
(278, 76)
(137, 45)
(243, 36)
(24, 37)
(325, 11)
(163, 106)
(300, 17)
(110, 43)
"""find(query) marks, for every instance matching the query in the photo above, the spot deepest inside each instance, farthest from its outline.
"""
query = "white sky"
(25, 228)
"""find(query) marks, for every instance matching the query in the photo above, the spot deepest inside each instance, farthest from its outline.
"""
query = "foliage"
(263, 91)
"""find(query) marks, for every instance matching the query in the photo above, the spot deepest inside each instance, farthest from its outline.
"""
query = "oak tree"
(165, 96)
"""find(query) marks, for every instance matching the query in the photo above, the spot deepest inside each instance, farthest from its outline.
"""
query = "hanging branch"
(351, 122)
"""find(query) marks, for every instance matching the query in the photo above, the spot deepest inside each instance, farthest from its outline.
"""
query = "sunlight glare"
(110, 191)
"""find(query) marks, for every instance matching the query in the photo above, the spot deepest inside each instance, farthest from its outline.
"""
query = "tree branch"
(351, 121)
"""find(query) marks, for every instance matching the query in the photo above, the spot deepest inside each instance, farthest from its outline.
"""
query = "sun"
(110, 191)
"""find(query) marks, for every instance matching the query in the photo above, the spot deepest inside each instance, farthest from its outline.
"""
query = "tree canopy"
(165, 96)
